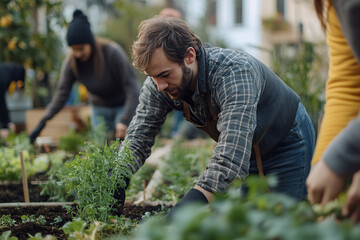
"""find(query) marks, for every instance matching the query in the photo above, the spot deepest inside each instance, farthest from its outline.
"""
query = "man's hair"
(171, 34)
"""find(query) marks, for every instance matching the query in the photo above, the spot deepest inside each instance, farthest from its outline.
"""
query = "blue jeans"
(290, 161)
(110, 115)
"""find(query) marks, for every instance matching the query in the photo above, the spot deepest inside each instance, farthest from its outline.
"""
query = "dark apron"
(211, 130)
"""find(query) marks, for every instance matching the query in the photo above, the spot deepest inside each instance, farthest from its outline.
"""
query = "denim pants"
(110, 115)
(290, 161)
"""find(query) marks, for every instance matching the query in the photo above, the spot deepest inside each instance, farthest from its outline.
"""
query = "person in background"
(103, 67)
(335, 162)
(13, 75)
(258, 122)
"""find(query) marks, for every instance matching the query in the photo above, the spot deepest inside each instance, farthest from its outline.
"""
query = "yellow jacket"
(342, 88)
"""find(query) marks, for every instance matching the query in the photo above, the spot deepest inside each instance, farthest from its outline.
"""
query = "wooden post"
(24, 179)
(144, 188)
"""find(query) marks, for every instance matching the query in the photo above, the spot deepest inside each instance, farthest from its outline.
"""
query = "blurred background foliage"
(303, 67)
(29, 35)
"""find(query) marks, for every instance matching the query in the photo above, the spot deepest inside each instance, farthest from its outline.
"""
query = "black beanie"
(79, 31)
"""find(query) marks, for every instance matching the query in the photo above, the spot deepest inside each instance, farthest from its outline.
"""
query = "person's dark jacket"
(8, 72)
(118, 85)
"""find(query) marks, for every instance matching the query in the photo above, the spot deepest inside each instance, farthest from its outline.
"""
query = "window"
(238, 11)
(280, 7)
(212, 12)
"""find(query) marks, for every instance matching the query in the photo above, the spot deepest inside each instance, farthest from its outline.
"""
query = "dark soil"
(13, 192)
(55, 216)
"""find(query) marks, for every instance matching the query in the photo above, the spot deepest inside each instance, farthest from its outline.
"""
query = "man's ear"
(190, 55)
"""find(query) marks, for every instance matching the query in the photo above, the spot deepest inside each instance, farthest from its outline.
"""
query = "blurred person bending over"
(337, 155)
(258, 122)
(103, 67)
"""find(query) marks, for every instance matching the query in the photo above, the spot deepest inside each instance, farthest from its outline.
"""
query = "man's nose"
(161, 84)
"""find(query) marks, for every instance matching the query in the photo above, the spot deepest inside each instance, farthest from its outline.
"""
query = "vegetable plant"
(257, 215)
(10, 167)
(71, 142)
(87, 176)
(6, 220)
(182, 168)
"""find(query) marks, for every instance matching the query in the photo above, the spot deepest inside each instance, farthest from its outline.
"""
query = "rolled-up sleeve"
(150, 116)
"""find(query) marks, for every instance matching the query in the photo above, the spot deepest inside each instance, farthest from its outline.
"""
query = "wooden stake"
(144, 188)
(46, 147)
(24, 179)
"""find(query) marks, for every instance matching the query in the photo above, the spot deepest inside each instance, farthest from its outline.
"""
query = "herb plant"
(182, 168)
(87, 176)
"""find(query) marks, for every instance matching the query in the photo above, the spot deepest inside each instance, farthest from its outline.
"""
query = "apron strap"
(258, 160)
(186, 109)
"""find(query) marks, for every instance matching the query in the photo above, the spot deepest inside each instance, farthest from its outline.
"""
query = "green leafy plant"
(6, 236)
(10, 165)
(38, 236)
(32, 218)
(87, 176)
(6, 220)
(118, 227)
(182, 168)
(71, 142)
(256, 215)
(98, 135)
(79, 229)
(25, 40)
(304, 73)
(52, 187)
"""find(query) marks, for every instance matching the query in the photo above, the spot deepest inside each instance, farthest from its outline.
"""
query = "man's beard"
(183, 92)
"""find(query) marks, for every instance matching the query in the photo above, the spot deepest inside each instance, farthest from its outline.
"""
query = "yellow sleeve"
(342, 88)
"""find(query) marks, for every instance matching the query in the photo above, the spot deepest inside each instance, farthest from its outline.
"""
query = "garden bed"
(49, 219)
(41, 216)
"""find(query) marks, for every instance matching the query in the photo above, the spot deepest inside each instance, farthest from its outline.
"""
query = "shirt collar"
(202, 71)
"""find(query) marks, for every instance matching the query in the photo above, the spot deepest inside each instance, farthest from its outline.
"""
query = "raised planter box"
(70, 117)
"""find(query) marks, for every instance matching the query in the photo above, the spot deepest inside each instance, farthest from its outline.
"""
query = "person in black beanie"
(104, 69)
(9, 72)
(79, 31)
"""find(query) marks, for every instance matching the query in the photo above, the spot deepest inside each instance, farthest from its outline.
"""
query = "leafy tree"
(22, 41)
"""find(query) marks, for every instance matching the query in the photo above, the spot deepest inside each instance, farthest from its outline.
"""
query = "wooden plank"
(60, 124)
(34, 204)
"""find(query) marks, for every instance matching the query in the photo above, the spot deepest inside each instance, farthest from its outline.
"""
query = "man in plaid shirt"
(258, 122)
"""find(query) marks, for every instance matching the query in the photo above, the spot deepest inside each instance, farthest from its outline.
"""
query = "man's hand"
(195, 195)
(120, 193)
(323, 184)
(120, 130)
(209, 195)
(352, 205)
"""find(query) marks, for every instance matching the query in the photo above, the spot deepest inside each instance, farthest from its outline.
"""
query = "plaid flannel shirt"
(236, 81)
